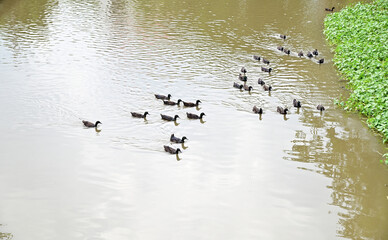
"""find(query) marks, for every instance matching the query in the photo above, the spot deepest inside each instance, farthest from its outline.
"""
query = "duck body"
(283, 36)
(280, 48)
(282, 110)
(139, 115)
(90, 124)
(169, 118)
(171, 150)
(315, 52)
(266, 69)
(239, 86)
(287, 51)
(242, 77)
(296, 103)
(256, 57)
(320, 61)
(195, 116)
(158, 96)
(267, 87)
(190, 104)
(171, 103)
(257, 110)
(248, 88)
(265, 61)
(244, 70)
(320, 107)
(177, 140)
(309, 54)
(260, 82)
(300, 54)
(330, 10)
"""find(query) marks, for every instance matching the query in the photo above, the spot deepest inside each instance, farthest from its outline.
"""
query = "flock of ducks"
(266, 87)
(166, 101)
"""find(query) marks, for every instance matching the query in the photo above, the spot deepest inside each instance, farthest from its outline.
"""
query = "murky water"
(305, 176)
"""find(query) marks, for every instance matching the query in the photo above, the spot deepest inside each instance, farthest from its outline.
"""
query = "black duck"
(309, 54)
(90, 124)
(296, 103)
(171, 150)
(169, 118)
(239, 86)
(190, 104)
(320, 107)
(322, 60)
(315, 52)
(177, 140)
(330, 10)
(257, 110)
(195, 116)
(171, 103)
(139, 115)
(163, 97)
(266, 69)
(260, 81)
(282, 110)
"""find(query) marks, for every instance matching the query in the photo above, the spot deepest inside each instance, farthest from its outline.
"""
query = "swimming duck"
(287, 51)
(320, 61)
(280, 48)
(195, 116)
(315, 52)
(177, 140)
(242, 77)
(256, 57)
(139, 115)
(190, 104)
(300, 54)
(309, 54)
(266, 69)
(248, 88)
(260, 81)
(239, 86)
(257, 110)
(243, 70)
(171, 150)
(163, 97)
(90, 124)
(320, 107)
(296, 103)
(330, 10)
(169, 118)
(171, 103)
(282, 110)
(267, 87)
(283, 36)
(265, 61)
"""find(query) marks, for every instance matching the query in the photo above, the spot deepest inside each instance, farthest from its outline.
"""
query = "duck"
(171, 150)
(320, 107)
(283, 36)
(282, 110)
(243, 70)
(266, 69)
(248, 88)
(280, 48)
(190, 104)
(315, 52)
(171, 103)
(260, 82)
(163, 97)
(267, 87)
(330, 10)
(300, 54)
(239, 86)
(309, 54)
(90, 124)
(177, 140)
(265, 61)
(169, 118)
(256, 57)
(320, 61)
(287, 51)
(242, 77)
(296, 103)
(195, 116)
(257, 110)
(139, 115)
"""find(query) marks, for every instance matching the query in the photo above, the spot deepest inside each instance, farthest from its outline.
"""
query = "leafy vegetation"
(359, 34)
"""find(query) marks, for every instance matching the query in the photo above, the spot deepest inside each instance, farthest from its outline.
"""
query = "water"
(305, 176)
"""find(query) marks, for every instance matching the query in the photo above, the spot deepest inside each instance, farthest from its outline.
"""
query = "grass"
(359, 34)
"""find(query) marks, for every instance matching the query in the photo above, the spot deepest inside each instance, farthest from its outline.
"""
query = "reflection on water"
(303, 175)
